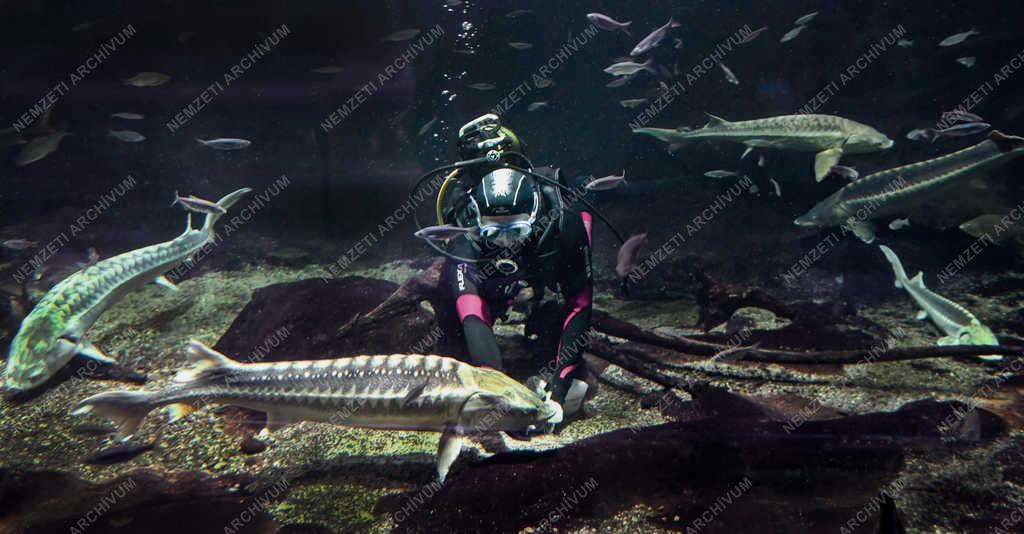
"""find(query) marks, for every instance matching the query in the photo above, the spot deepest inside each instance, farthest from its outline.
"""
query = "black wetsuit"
(559, 262)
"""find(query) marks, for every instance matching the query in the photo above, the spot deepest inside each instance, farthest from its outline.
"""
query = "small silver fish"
(632, 102)
(729, 76)
(629, 254)
(482, 86)
(401, 35)
(544, 82)
(442, 232)
(607, 183)
(802, 21)
(792, 34)
(967, 61)
(148, 79)
(845, 172)
(128, 136)
(721, 174)
(746, 153)
(453, 3)
(778, 190)
(735, 354)
(958, 115)
(961, 130)
(752, 35)
(198, 205)
(39, 148)
(896, 224)
(426, 127)
(128, 116)
(517, 13)
(87, 25)
(607, 23)
(628, 68)
(954, 40)
(619, 82)
(654, 39)
(225, 143)
(18, 244)
(534, 106)
(328, 70)
(520, 46)
(905, 43)
(920, 134)
(760, 160)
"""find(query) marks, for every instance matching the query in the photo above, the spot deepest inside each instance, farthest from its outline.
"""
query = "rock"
(300, 320)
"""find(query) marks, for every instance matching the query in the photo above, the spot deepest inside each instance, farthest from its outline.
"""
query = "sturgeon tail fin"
(126, 409)
(897, 266)
(226, 202)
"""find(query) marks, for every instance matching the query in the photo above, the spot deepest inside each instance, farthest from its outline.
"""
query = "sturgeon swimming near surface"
(55, 331)
(830, 136)
(394, 392)
(893, 191)
(960, 325)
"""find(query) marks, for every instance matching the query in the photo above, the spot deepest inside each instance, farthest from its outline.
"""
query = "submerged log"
(826, 471)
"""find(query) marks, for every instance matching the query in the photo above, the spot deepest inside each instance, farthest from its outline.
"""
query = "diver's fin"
(448, 450)
(825, 160)
(714, 121)
(126, 409)
(202, 359)
(921, 315)
(162, 281)
(226, 202)
(91, 351)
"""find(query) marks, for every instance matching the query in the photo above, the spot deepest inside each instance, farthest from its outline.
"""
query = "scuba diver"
(524, 227)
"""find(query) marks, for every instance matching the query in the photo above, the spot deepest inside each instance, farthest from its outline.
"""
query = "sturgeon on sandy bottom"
(828, 135)
(893, 191)
(54, 332)
(960, 325)
(396, 392)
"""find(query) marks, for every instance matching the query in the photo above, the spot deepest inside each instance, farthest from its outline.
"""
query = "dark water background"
(346, 180)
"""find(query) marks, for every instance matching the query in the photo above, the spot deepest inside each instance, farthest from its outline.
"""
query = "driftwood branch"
(604, 323)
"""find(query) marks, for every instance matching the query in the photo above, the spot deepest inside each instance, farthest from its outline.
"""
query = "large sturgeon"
(828, 135)
(893, 191)
(54, 332)
(396, 392)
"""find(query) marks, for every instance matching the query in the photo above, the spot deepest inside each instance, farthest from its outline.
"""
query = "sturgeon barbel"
(893, 191)
(828, 135)
(392, 392)
(960, 325)
(55, 331)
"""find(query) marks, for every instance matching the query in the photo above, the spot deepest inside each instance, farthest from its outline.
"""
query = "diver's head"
(505, 205)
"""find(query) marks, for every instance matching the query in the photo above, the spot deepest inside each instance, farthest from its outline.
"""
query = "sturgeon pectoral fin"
(164, 282)
(448, 450)
(92, 351)
(921, 315)
(947, 340)
(824, 162)
(864, 230)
